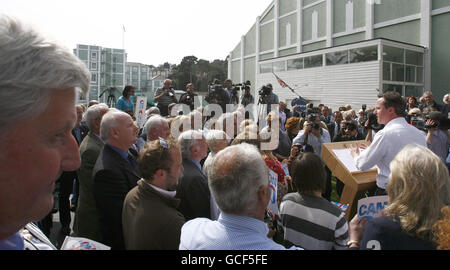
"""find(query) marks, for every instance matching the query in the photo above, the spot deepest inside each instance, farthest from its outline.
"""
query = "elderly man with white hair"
(86, 216)
(156, 127)
(115, 174)
(217, 141)
(192, 189)
(239, 182)
(39, 82)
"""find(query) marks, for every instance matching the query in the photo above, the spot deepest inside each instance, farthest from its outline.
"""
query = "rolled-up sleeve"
(373, 154)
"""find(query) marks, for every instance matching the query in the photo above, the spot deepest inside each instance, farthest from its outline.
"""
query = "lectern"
(356, 182)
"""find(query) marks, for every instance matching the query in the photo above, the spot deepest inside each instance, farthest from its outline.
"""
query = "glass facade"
(403, 71)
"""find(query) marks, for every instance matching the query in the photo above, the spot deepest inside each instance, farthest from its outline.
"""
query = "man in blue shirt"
(239, 182)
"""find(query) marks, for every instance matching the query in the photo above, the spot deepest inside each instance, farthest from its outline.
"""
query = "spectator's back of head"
(308, 173)
(418, 187)
(235, 176)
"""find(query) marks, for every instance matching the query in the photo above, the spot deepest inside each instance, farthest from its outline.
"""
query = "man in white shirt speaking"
(388, 142)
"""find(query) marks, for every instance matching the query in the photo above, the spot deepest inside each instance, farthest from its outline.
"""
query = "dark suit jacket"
(193, 192)
(113, 178)
(86, 222)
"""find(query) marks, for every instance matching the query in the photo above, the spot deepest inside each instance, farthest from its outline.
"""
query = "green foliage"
(199, 72)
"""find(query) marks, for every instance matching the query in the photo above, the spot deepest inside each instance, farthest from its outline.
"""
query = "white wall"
(334, 86)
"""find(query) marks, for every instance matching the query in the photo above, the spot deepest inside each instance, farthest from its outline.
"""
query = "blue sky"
(156, 31)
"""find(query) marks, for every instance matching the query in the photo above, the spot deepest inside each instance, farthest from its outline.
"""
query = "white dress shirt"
(386, 144)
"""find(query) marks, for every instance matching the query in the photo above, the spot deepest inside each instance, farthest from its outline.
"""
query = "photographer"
(165, 96)
(313, 136)
(217, 95)
(189, 97)
(266, 96)
(247, 98)
(437, 135)
(232, 92)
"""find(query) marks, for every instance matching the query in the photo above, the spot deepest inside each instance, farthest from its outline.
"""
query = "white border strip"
(417, 16)
(440, 11)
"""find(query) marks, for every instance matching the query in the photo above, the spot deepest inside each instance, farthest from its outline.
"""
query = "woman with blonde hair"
(418, 188)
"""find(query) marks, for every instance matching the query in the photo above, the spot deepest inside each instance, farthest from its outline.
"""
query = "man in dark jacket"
(193, 188)
(115, 174)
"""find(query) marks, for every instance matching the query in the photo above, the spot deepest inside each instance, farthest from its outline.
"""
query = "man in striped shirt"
(309, 221)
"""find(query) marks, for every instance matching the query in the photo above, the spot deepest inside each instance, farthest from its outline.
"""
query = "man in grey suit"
(86, 222)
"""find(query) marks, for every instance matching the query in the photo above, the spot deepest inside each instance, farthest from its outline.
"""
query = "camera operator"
(313, 136)
(232, 92)
(165, 96)
(266, 96)
(247, 98)
(189, 97)
(437, 134)
(217, 95)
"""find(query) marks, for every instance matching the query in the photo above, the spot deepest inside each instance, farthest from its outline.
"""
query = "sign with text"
(372, 207)
(273, 204)
(141, 106)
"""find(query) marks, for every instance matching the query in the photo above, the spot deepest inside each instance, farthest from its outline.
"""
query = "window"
(337, 58)
(313, 61)
(414, 58)
(419, 75)
(279, 66)
(398, 73)
(93, 56)
(295, 64)
(93, 78)
(410, 75)
(413, 91)
(265, 68)
(386, 71)
(93, 66)
(393, 87)
(393, 54)
(364, 54)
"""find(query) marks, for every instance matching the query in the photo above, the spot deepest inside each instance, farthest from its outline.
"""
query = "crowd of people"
(196, 182)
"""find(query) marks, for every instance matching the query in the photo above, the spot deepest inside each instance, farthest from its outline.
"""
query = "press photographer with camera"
(266, 96)
(232, 92)
(217, 95)
(310, 139)
(165, 96)
(247, 98)
(189, 97)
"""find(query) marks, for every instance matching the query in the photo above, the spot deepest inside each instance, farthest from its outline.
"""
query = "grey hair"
(31, 66)
(213, 136)
(93, 113)
(235, 175)
(187, 139)
(109, 121)
(153, 122)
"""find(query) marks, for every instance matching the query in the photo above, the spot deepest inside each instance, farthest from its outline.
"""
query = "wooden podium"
(355, 182)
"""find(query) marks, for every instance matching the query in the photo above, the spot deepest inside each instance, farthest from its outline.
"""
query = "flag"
(280, 81)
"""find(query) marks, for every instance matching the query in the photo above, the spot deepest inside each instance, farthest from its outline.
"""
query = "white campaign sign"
(372, 207)
(273, 204)
(141, 106)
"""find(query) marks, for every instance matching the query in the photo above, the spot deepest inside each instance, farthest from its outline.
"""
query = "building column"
(257, 51)
(330, 23)
(299, 25)
(276, 45)
(242, 58)
(369, 19)
(425, 39)
(230, 59)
